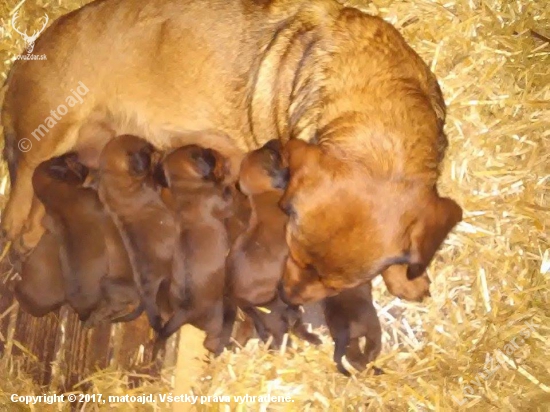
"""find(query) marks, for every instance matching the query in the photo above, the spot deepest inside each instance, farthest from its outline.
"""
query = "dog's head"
(262, 170)
(345, 228)
(190, 164)
(128, 155)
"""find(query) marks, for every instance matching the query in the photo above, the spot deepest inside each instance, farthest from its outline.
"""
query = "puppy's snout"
(280, 180)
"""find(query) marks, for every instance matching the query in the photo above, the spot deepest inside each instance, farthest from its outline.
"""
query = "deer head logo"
(29, 40)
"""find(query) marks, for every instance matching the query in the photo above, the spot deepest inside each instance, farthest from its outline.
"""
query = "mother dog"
(363, 114)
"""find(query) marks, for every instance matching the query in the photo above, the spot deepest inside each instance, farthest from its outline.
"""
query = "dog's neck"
(286, 93)
(266, 211)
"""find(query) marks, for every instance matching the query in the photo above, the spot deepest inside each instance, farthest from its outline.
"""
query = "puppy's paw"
(377, 371)
(313, 338)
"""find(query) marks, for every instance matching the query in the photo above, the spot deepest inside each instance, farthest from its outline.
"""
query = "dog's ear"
(160, 176)
(92, 180)
(437, 219)
(59, 167)
(293, 151)
(76, 167)
(301, 159)
(140, 161)
(58, 171)
(211, 165)
(273, 145)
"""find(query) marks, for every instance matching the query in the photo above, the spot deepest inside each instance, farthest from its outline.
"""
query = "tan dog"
(202, 203)
(256, 259)
(41, 289)
(367, 110)
(148, 228)
(97, 275)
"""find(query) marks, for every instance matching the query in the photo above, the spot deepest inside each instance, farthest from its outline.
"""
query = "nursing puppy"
(202, 203)
(41, 289)
(97, 275)
(128, 190)
(255, 261)
(350, 316)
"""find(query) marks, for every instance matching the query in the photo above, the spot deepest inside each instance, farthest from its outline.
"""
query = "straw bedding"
(481, 342)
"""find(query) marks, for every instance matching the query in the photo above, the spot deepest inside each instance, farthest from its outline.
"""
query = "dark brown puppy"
(351, 315)
(41, 289)
(96, 271)
(202, 203)
(255, 261)
(128, 190)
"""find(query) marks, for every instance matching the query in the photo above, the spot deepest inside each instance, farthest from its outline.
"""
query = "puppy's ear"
(211, 165)
(160, 176)
(92, 180)
(140, 161)
(437, 219)
(61, 167)
(293, 151)
(58, 171)
(76, 167)
(274, 145)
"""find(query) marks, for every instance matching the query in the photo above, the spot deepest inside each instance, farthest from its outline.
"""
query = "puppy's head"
(262, 170)
(192, 164)
(65, 170)
(128, 155)
(346, 228)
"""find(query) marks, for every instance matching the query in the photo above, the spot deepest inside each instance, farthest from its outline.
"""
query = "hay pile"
(491, 279)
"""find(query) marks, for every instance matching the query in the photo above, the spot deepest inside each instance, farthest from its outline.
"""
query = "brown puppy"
(128, 190)
(351, 315)
(256, 259)
(96, 271)
(202, 203)
(367, 110)
(41, 289)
